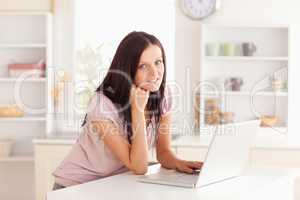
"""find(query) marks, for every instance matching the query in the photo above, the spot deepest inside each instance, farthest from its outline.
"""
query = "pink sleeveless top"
(89, 158)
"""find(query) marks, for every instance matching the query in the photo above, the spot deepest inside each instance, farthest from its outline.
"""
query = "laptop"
(227, 155)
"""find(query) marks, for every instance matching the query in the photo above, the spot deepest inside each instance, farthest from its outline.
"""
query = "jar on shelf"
(212, 111)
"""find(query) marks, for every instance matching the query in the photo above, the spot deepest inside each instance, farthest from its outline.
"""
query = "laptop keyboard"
(173, 176)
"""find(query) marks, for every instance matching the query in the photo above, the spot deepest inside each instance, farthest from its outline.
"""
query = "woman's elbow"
(138, 167)
(140, 170)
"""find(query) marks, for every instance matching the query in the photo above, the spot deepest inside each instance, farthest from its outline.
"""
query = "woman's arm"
(164, 153)
(134, 156)
(128, 154)
(139, 148)
(163, 147)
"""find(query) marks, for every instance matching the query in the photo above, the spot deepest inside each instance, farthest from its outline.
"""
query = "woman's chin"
(151, 88)
(154, 90)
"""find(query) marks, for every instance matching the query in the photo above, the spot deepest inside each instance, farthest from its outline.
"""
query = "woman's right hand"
(138, 98)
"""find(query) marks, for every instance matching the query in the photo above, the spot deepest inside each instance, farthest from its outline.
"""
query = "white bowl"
(5, 147)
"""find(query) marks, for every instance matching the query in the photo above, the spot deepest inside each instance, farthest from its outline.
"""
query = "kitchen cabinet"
(47, 158)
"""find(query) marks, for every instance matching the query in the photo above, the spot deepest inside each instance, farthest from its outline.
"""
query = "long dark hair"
(119, 78)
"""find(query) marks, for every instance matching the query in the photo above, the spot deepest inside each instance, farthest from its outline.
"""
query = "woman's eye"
(142, 66)
(158, 62)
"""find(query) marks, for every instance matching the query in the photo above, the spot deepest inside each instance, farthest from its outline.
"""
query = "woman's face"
(150, 69)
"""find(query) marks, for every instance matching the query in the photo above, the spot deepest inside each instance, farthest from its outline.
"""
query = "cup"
(212, 111)
(212, 49)
(249, 48)
(234, 83)
(228, 49)
(238, 50)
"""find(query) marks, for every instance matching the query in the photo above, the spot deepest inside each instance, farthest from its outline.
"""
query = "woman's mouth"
(153, 81)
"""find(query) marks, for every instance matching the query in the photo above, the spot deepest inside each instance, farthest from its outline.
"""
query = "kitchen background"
(187, 45)
(184, 62)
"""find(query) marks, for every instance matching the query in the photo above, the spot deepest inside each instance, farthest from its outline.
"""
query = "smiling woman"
(128, 115)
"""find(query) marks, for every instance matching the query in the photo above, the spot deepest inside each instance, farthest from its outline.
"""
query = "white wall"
(187, 42)
(187, 45)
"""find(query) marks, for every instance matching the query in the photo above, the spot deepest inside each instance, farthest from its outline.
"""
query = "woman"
(128, 115)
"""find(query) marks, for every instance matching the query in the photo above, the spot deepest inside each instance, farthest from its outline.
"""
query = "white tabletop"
(257, 183)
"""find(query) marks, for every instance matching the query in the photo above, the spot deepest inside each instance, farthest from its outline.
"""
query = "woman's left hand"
(188, 166)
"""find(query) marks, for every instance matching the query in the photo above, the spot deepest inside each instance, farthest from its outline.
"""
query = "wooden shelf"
(246, 93)
(12, 80)
(27, 118)
(27, 13)
(245, 58)
(17, 159)
(35, 45)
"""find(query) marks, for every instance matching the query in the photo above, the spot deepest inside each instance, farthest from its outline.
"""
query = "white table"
(257, 183)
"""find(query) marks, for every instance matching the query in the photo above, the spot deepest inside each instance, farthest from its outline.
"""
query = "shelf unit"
(13, 80)
(256, 97)
(23, 119)
(244, 58)
(26, 36)
(244, 93)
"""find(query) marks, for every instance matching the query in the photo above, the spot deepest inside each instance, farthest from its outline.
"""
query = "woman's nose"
(153, 71)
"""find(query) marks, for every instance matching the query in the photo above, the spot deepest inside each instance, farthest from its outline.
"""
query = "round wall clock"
(199, 9)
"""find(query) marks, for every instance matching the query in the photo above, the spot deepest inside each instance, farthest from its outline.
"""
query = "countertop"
(257, 183)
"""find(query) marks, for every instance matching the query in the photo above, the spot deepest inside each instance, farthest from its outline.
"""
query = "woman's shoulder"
(100, 99)
(100, 106)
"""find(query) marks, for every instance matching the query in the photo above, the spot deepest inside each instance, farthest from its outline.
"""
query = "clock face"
(198, 9)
